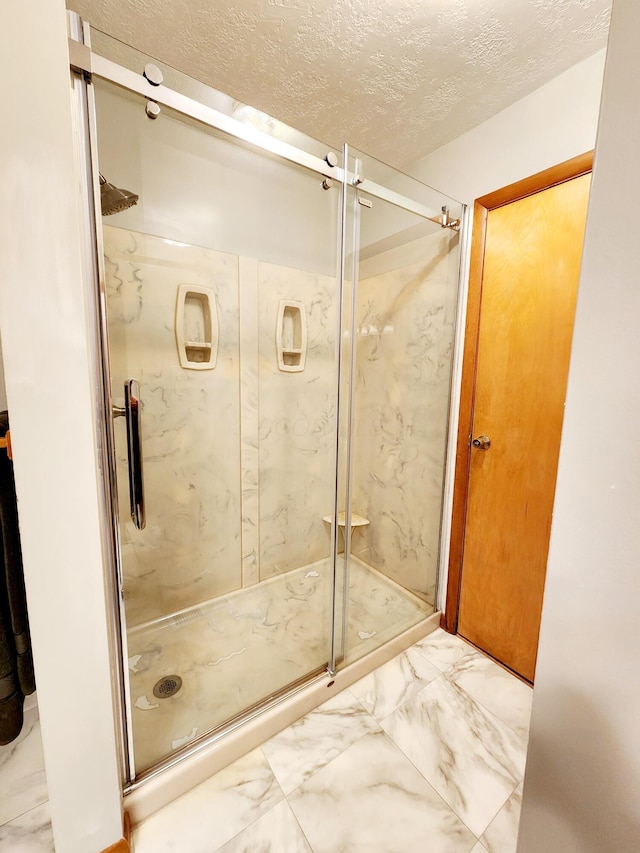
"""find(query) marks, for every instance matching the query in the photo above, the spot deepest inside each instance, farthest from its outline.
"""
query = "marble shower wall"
(297, 424)
(238, 460)
(406, 305)
(191, 547)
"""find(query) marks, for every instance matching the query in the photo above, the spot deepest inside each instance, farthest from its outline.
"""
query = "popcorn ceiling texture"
(396, 78)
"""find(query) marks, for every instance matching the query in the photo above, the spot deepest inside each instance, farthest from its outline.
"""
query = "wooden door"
(530, 278)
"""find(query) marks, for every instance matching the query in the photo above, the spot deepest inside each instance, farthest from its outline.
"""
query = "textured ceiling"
(396, 78)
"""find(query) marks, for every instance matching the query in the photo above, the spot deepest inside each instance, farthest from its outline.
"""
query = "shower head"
(113, 200)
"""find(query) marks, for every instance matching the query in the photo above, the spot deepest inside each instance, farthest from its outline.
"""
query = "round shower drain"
(167, 686)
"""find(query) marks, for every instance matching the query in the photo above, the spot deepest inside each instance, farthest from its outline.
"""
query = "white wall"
(198, 188)
(552, 124)
(582, 784)
(43, 328)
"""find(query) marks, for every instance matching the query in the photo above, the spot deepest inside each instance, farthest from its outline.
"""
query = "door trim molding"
(544, 180)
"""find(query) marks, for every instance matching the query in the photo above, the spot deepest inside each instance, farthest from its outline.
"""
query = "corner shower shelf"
(356, 520)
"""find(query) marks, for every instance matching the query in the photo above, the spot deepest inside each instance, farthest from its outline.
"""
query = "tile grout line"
(477, 653)
(475, 701)
(525, 739)
(380, 730)
(260, 816)
(437, 793)
(378, 723)
(304, 834)
(499, 810)
(322, 767)
(25, 812)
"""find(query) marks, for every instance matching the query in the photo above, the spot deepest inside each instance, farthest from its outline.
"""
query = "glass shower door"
(221, 299)
(405, 268)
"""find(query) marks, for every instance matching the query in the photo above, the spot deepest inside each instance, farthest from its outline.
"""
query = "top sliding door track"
(83, 60)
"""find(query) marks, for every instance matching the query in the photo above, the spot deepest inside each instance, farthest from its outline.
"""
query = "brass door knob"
(482, 442)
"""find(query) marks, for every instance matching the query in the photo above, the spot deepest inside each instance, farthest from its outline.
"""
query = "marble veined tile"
(316, 739)
(403, 364)
(297, 423)
(501, 836)
(479, 848)
(277, 830)
(387, 687)
(211, 814)
(249, 417)
(472, 759)
(24, 784)
(443, 649)
(29, 833)
(190, 549)
(498, 690)
(371, 798)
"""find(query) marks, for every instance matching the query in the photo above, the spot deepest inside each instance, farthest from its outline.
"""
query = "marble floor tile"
(443, 649)
(479, 848)
(385, 689)
(501, 836)
(24, 785)
(277, 830)
(210, 815)
(498, 690)
(29, 833)
(310, 743)
(371, 798)
(472, 759)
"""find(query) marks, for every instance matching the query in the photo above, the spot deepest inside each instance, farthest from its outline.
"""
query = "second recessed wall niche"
(196, 327)
(291, 336)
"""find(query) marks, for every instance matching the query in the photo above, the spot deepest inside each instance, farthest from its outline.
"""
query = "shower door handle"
(134, 447)
(131, 412)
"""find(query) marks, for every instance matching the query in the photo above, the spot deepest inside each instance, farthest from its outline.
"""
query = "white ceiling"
(396, 78)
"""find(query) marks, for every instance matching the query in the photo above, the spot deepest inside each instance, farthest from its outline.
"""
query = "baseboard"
(124, 844)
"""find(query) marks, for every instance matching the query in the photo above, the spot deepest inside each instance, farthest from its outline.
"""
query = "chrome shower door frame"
(84, 64)
(85, 114)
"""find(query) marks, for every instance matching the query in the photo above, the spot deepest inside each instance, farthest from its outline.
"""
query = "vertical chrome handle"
(134, 447)
(131, 411)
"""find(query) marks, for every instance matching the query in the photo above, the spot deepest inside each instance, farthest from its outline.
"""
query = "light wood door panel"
(531, 269)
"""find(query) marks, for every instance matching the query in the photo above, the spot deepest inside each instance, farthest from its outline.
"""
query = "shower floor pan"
(241, 648)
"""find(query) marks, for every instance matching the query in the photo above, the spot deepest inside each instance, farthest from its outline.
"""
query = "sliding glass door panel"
(405, 269)
(221, 296)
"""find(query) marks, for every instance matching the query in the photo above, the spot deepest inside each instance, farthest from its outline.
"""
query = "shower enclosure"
(276, 326)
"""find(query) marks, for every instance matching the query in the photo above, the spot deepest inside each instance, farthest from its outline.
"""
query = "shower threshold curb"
(149, 795)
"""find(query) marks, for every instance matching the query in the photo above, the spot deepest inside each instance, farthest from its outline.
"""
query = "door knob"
(483, 442)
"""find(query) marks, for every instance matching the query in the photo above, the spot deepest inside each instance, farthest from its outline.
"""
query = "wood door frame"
(574, 168)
